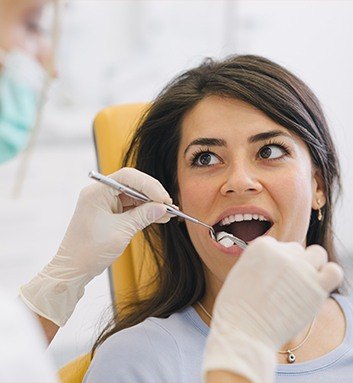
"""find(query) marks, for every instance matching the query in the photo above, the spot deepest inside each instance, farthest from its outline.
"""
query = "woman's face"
(242, 171)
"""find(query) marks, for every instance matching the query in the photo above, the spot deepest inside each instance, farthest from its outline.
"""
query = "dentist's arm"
(102, 226)
(49, 328)
(270, 294)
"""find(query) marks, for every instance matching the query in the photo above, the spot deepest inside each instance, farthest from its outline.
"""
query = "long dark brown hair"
(267, 86)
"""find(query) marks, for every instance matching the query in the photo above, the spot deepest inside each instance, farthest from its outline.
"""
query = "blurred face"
(21, 26)
(242, 173)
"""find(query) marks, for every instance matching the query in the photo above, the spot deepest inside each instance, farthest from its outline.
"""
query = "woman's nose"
(241, 179)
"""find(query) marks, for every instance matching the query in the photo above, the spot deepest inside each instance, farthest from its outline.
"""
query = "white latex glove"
(270, 294)
(102, 226)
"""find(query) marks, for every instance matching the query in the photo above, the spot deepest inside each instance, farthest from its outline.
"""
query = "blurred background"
(114, 51)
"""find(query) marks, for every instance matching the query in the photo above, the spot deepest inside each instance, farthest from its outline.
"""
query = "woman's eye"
(271, 152)
(205, 159)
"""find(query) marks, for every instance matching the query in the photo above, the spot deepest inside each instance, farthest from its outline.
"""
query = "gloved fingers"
(164, 219)
(316, 255)
(142, 182)
(141, 216)
(293, 248)
(330, 276)
(129, 202)
(272, 254)
(99, 196)
(267, 243)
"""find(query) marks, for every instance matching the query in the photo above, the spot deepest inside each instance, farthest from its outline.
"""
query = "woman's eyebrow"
(205, 141)
(267, 135)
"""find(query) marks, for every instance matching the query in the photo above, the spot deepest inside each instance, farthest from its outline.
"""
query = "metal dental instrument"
(237, 241)
(142, 197)
(170, 209)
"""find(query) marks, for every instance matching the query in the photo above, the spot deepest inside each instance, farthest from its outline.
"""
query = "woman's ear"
(319, 190)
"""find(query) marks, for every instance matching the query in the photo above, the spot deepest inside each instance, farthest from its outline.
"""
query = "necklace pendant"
(291, 357)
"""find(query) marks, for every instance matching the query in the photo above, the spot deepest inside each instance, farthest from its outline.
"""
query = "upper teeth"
(241, 217)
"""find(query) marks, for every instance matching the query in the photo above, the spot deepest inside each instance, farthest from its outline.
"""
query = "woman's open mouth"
(244, 226)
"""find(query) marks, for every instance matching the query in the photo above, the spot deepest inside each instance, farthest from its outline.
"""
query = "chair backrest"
(112, 130)
(74, 371)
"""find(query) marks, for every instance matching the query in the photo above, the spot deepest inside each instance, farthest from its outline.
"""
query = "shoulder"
(128, 355)
(148, 352)
(345, 303)
(184, 321)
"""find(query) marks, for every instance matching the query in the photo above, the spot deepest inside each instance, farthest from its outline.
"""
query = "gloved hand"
(270, 294)
(102, 226)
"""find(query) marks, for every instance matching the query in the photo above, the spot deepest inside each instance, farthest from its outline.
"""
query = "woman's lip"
(233, 250)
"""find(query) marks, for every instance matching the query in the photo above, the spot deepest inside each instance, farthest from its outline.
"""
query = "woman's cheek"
(293, 200)
(195, 196)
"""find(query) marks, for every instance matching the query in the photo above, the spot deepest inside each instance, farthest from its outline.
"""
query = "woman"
(243, 145)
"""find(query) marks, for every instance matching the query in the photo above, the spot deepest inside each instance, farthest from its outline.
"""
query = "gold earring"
(319, 213)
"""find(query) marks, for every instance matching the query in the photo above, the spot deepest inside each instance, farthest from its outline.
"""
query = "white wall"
(124, 51)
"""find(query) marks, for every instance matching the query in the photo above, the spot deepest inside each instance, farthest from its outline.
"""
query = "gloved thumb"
(143, 215)
(331, 276)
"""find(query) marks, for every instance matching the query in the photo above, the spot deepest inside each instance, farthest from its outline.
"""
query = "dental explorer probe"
(170, 209)
(224, 236)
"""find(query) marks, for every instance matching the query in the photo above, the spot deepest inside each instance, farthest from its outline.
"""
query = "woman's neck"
(207, 302)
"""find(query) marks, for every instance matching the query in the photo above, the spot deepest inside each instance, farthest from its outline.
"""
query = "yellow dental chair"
(112, 129)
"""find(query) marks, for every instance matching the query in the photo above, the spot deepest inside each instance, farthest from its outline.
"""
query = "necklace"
(290, 355)
(204, 310)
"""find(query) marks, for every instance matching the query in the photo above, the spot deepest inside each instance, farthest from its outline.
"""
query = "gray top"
(171, 349)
